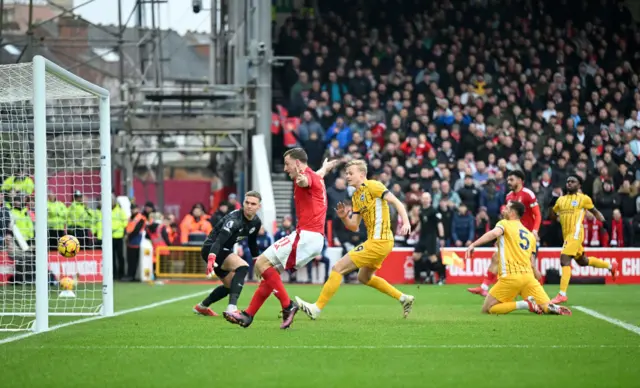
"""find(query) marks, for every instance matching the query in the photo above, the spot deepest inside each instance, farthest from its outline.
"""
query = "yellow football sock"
(383, 286)
(598, 263)
(329, 289)
(503, 308)
(564, 280)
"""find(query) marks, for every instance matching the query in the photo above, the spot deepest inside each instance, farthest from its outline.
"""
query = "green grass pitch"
(361, 340)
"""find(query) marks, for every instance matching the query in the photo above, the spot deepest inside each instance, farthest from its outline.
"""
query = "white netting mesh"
(73, 184)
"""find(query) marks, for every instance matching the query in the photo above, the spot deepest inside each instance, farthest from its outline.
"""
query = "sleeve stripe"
(534, 204)
(384, 193)
(500, 227)
(355, 212)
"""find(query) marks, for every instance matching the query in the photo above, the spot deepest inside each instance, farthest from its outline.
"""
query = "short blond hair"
(360, 164)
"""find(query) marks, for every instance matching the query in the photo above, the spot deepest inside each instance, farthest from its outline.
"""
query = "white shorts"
(295, 250)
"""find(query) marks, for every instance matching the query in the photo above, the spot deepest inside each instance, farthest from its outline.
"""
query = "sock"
(273, 279)
(489, 279)
(503, 308)
(215, 295)
(261, 294)
(383, 286)
(522, 305)
(237, 282)
(598, 263)
(329, 289)
(564, 280)
(545, 308)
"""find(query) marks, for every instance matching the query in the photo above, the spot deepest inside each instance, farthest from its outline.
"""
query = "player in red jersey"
(531, 220)
(296, 250)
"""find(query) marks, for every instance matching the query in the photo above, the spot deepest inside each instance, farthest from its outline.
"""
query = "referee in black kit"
(426, 257)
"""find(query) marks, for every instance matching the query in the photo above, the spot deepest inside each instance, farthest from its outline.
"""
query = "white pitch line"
(627, 326)
(98, 317)
(320, 347)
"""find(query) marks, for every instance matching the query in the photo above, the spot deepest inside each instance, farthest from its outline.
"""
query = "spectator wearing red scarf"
(594, 233)
(617, 230)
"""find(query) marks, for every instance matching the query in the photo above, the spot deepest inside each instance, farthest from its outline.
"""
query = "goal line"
(99, 317)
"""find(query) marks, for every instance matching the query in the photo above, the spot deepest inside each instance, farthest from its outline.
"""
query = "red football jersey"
(311, 203)
(528, 199)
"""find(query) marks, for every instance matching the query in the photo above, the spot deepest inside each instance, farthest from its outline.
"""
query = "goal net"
(55, 181)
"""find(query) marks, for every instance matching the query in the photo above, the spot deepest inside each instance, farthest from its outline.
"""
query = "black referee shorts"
(428, 247)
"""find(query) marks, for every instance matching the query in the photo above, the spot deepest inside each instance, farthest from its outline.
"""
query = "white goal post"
(55, 128)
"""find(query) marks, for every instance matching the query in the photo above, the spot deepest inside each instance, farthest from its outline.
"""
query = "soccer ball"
(68, 246)
(66, 283)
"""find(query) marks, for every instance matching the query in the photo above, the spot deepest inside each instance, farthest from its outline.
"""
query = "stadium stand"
(447, 97)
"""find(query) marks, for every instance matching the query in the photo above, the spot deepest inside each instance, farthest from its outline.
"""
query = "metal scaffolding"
(210, 118)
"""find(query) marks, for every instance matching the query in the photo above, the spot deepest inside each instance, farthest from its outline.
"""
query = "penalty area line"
(321, 347)
(627, 326)
(99, 317)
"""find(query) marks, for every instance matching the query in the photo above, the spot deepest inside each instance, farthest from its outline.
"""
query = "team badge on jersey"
(574, 203)
(252, 230)
(228, 226)
(362, 197)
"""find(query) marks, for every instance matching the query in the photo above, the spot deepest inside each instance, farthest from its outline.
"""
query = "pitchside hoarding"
(398, 267)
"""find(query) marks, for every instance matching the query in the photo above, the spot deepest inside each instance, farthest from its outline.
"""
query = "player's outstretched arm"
(350, 219)
(327, 166)
(537, 220)
(597, 214)
(484, 239)
(392, 199)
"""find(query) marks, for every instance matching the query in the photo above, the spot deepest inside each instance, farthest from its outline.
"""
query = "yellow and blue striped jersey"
(368, 201)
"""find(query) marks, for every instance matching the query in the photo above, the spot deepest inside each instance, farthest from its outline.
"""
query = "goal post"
(55, 129)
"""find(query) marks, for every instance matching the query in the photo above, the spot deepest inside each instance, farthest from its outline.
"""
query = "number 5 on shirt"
(524, 241)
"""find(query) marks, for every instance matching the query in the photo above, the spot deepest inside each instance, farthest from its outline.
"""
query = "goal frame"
(42, 67)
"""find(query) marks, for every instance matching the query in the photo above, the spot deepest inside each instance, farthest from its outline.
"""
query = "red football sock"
(489, 278)
(273, 279)
(261, 294)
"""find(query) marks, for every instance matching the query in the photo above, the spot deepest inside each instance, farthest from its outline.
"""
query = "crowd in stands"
(447, 97)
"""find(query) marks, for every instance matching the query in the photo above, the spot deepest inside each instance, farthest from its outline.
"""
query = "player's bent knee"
(243, 269)
(489, 302)
(364, 275)
(261, 265)
(344, 265)
(232, 262)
